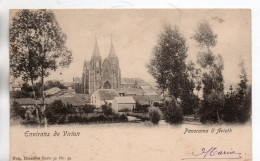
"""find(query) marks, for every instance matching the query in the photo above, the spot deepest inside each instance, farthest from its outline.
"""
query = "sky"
(134, 33)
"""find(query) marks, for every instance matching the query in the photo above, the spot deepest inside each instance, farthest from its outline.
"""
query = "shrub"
(173, 113)
(107, 110)
(56, 110)
(17, 111)
(155, 115)
(123, 118)
(141, 108)
(88, 108)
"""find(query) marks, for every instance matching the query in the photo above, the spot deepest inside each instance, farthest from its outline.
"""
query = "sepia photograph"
(114, 84)
(134, 66)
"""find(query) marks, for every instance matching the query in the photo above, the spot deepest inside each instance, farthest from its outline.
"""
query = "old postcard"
(130, 84)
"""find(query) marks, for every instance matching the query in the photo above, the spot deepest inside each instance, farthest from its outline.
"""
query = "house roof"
(144, 100)
(67, 84)
(75, 100)
(141, 100)
(148, 90)
(25, 101)
(107, 94)
(122, 100)
(132, 81)
(52, 91)
(130, 91)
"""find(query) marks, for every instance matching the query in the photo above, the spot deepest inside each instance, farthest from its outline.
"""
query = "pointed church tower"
(85, 77)
(95, 70)
(114, 62)
(96, 53)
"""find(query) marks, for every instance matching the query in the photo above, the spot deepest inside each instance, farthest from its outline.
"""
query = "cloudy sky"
(135, 33)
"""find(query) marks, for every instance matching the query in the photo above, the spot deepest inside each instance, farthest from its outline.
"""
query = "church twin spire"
(96, 50)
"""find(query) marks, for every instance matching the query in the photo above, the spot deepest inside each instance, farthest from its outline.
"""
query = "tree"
(205, 36)
(24, 62)
(37, 40)
(173, 113)
(212, 78)
(155, 114)
(168, 66)
(243, 81)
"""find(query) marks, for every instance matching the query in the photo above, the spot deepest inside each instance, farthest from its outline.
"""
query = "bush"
(88, 108)
(56, 110)
(107, 110)
(141, 108)
(155, 115)
(123, 118)
(17, 111)
(173, 113)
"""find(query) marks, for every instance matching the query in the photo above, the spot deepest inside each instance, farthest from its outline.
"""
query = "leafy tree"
(238, 104)
(212, 78)
(24, 62)
(51, 84)
(173, 113)
(168, 66)
(205, 36)
(243, 82)
(38, 42)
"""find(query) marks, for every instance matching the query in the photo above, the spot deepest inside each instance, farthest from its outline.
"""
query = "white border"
(5, 5)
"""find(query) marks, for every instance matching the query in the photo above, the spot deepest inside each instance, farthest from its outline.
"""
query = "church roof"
(96, 50)
(112, 52)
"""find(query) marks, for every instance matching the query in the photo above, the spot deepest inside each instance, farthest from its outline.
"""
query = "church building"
(101, 73)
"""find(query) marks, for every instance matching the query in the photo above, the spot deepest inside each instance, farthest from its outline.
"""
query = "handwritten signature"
(214, 153)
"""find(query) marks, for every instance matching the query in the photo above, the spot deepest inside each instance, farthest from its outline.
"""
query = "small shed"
(123, 103)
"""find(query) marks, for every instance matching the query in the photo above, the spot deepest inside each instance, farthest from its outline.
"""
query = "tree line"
(184, 80)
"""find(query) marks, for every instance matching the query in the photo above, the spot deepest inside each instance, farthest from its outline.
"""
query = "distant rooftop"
(122, 100)
(107, 94)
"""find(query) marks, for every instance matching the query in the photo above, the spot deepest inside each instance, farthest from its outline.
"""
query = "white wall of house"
(95, 100)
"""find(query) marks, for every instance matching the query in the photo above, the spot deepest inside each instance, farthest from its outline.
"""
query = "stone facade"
(101, 74)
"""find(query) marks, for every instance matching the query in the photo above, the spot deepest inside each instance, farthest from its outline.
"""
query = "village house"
(103, 96)
(123, 103)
